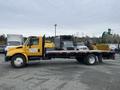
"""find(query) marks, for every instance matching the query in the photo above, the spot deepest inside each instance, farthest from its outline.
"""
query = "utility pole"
(55, 29)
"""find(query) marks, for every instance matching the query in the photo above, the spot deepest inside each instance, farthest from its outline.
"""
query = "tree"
(2, 39)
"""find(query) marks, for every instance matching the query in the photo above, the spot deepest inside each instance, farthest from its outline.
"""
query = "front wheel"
(18, 61)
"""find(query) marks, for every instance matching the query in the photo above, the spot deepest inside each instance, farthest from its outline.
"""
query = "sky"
(74, 17)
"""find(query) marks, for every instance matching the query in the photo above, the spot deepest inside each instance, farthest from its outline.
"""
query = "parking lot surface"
(61, 74)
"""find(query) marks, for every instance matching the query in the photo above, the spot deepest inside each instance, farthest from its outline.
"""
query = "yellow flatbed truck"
(34, 49)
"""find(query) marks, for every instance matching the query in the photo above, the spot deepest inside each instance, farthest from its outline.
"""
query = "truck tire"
(18, 61)
(80, 60)
(91, 59)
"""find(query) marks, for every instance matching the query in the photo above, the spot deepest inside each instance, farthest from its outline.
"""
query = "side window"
(34, 41)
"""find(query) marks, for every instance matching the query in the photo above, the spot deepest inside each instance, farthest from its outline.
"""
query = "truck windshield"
(26, 42)
(13, 43)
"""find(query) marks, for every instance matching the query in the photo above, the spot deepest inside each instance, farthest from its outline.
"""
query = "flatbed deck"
(79, 53)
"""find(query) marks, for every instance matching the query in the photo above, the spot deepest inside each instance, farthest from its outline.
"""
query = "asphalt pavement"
(61, 74)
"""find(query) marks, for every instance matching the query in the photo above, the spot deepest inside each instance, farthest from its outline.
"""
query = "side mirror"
(29, 44)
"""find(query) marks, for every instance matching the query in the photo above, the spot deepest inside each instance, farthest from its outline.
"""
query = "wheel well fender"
(26, 58)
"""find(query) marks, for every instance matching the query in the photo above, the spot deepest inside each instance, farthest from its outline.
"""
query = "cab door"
(34, 47)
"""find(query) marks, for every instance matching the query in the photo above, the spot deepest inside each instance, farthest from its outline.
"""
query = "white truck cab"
(13, 40)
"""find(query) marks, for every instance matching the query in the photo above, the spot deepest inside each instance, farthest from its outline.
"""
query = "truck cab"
(32, 48)
(13, 40)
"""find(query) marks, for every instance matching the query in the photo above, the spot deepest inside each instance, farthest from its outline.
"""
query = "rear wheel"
(91, 59)
(18, 61)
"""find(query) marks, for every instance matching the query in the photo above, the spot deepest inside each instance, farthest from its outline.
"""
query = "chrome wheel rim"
(91, 60)
(18, 61)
